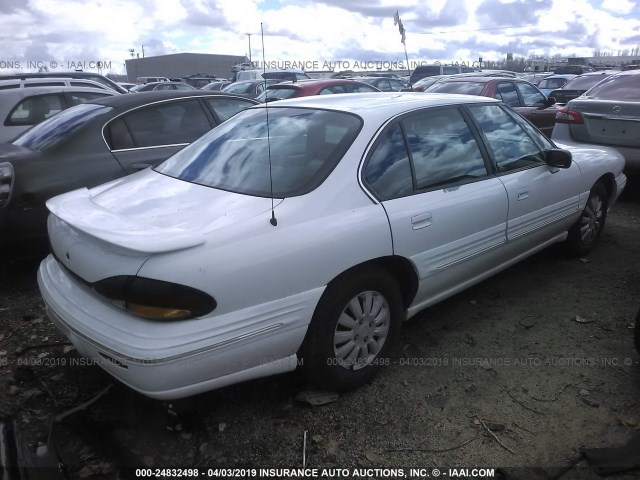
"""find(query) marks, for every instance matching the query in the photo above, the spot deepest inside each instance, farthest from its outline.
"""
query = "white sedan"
(305, 232)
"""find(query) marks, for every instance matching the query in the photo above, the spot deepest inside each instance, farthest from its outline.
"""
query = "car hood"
(152, 213)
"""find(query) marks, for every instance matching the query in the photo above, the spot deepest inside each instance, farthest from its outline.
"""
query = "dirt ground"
(523, 370)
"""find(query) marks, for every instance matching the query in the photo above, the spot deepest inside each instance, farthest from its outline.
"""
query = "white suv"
(50, 82)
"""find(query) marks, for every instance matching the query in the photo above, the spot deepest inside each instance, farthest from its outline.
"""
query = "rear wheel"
(353, 329)
(584, 234)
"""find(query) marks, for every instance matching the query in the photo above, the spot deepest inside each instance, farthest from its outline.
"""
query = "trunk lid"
(114, 229)
(607, 122)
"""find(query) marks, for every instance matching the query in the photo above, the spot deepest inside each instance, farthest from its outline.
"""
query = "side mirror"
(549, 101)
(558, 158)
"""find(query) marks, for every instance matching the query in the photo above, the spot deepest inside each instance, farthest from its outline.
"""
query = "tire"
(353, 329)
(584, 234)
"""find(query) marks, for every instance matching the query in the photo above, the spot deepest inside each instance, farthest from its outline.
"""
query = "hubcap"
(362, 329)
(591, 220)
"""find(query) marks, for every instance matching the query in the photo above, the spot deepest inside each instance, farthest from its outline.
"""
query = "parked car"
(553, 82)
(431, 70)
(520, 95)
(291, 75)
(534, 77)
(96, 142)
(248, 88)
(607, 114)
(198, 80)
(573, 70)
(145, 80)
(384, 84)
(127, 85)
(75, 74)
(161, 86)
(426, 82)
(51, 82)
(307, 239)
(580, 84)
(22, 108)
(306, 88)
(217, 86)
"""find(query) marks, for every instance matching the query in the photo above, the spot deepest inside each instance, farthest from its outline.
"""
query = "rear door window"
(443, 149)
(167, 123)
(33, 110)
(512, 148)
(531, 97)
(507, 92)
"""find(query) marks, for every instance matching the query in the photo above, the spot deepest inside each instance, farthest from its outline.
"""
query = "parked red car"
(307, 88)
(520, 95)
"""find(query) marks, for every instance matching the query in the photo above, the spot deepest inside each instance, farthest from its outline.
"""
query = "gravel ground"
(522, 370)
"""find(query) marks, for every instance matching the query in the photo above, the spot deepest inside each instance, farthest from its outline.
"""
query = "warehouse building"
(180, 65)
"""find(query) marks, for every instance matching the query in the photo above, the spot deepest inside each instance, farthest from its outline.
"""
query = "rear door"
(446, 211)
(543, 201)
(534, 108)
(149, 135)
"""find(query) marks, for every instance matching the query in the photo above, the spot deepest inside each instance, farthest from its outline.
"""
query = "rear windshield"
(618, 87)
(55, 130)
(583, 83)
(465, 88)
(278, 93)
(305, 146)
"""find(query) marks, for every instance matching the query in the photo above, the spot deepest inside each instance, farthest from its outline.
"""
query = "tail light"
(155, 299)
(6, 183)
(572, 117)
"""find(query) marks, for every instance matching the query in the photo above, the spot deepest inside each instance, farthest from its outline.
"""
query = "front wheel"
(353, 329)
(584, 234)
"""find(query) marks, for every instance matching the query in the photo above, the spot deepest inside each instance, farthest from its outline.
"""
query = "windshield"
(305, 146)
(53, 131)
(466, 88)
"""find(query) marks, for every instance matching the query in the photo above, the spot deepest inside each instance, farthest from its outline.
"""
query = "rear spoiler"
(78, 210)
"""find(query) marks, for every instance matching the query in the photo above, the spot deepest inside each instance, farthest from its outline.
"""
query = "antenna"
(273, 220)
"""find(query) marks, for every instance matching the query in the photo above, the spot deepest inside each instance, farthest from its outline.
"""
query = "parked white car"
(226, 263)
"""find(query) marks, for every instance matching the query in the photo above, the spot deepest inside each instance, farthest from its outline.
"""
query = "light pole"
(249, 35)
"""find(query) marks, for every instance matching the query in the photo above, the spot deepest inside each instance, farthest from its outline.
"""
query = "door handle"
(523, 195)
(421, 221)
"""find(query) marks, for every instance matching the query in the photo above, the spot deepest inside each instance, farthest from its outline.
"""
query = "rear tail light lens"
(6, 183)
(155, 299)
(565, 115)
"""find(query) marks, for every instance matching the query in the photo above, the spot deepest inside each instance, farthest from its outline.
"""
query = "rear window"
(278, 93)
(55, 130)
(305, 146)
(584, 83)
(617, 87)
(465, 88)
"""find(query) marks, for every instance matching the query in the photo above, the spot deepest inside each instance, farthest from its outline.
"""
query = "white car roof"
(387, 104)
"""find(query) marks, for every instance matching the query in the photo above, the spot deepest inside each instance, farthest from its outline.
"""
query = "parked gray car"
(22, 108)
(607, 114)
(97, 142)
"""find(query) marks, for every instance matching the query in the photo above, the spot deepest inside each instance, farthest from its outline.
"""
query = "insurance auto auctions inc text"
(369, 473)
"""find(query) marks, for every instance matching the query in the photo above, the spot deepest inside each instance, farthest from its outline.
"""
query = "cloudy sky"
(37, 32)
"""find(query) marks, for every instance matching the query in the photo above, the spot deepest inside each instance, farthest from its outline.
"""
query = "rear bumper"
(562, 133)
(153, 359)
